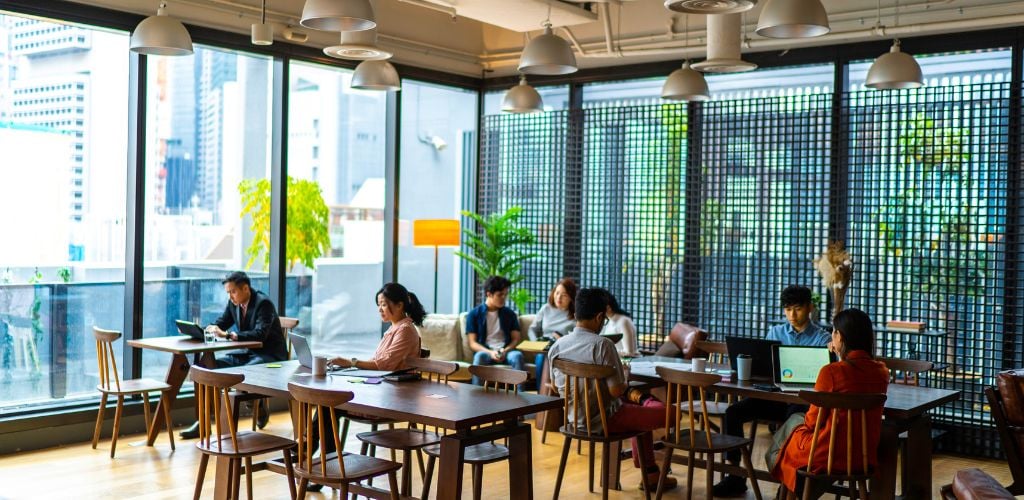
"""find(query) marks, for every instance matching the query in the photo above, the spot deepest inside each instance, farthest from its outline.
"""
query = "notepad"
(533, 345)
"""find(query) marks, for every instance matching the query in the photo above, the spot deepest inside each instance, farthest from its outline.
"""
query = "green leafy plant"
(500, 248)
(64, 273)
(307, 236)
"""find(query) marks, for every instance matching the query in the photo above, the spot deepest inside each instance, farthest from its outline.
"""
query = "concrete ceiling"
(424, 33)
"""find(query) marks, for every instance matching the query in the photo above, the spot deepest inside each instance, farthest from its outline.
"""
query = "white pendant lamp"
(710, 6)
(685, 84)
(358, 46)
(522, 99)
(793, 19)
(724, 46)
(547, 54)
(338, 15)
(895, 70)
(263, 33)
(376, 75)
(161, 35)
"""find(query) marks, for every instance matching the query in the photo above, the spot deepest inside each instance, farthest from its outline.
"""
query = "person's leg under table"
(481, 358)
(633, 417)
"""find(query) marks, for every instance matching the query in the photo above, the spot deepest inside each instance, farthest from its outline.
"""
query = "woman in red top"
(856, 371)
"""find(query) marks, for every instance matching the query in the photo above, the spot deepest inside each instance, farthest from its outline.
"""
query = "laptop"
(300, 346)
(797, 367)
(189, 328)
(759, 350)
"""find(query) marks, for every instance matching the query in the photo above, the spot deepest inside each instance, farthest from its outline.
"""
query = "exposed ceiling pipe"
(571, 37)
(605, 12)
(432, 6)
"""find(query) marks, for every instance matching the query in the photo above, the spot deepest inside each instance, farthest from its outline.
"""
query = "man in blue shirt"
(493, 329)
(798, 330)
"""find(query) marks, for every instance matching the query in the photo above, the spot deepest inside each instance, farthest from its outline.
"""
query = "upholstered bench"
(974, 484)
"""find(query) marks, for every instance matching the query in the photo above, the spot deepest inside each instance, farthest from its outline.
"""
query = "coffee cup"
(743, 365)
(699, 364)
(319, 366)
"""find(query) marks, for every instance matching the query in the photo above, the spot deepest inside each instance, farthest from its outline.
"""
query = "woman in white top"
(620, 321)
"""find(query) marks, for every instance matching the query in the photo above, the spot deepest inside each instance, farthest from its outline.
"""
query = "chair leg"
(543, 436)
(406, 472)
(344, 432)
(606, 463)
(664, 472)
(167, 418)
(117, 424)
(145, 410)
(478, 481)
(689, 476)
(236, 479)
(428, 477)
(393, 484)
(579, 447)
(290, 472)
(204, 459)
(561, 466)
(99, 421)
(807, 489)
(862, 485)
(591, 469)
(709, 479)
(419, 459)
(303, 484)
(248, 477)
(750, 471)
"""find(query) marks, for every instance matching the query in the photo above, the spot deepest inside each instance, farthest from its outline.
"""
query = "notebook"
(796, 367)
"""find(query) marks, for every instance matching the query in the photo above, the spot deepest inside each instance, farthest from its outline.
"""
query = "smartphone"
(372, 380)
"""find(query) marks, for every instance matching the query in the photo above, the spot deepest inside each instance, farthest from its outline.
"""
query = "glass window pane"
(438, 152)
(337, 142)
(772, 82)
(624, 93)
(554, 97)
(63, 130)
(961, 68)
(208, 123)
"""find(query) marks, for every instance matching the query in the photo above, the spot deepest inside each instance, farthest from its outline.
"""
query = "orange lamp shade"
(435, 232)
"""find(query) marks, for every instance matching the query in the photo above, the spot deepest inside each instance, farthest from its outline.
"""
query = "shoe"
(264, 416)
(314, 487)
(652, 482)
(191, 432)
(731, 486)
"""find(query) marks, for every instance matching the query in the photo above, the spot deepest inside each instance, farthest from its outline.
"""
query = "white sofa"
(442, 335)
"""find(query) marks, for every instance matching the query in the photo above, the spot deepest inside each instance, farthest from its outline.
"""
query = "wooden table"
(180, 346)
(462, 407)
(906, 410)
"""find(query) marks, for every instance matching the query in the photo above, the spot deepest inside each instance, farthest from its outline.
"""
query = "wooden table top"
(904, 401)
(461, 407)
(183, 344)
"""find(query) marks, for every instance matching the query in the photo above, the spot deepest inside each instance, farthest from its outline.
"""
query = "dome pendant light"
(522, 99)
(548, 54)
(376, 75)
(338, 15)
(793, 19)
(161, 35)
(895, 70)
(263, 33)
(685, 84)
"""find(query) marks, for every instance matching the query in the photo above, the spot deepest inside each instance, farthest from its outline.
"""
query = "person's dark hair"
(590, 302)
(238, 278)
(398, 294)
(570, 289)
(795, 295)
(616, 308)
(855, 329)
(495, 284)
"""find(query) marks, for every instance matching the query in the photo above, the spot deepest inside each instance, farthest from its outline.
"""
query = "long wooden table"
(180, 346)
(906, 410)
(454, 406)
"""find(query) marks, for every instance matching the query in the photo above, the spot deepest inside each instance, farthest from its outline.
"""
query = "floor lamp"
(435, 233)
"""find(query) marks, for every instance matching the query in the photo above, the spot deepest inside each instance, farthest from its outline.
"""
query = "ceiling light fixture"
(522, 99)
(724, 39)
(685, 84)
(547, 54)
(338, 15)
(710, 6)
(161, 35)
(358, 46)
(263, 33)
(376, 75)
(793, 19)
(894, 70)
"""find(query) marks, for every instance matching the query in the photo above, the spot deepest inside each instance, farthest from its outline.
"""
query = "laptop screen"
(799, 364)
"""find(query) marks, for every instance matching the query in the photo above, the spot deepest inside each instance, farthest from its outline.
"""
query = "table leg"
(883, 484)
(176, 374)
(449, 474)
(919, 451)
(520, 461)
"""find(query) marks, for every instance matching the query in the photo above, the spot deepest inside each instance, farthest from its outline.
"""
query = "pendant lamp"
(358, 46)
(161, 35)
(793, 19)
(263, 33)
(376, 75)
(522, 99)
(685, 84)
(338, 15)
(895, 70)
(710, 6)
(547, 54)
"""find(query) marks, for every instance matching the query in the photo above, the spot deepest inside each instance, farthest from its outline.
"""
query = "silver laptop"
(797, 367)
(300, 346)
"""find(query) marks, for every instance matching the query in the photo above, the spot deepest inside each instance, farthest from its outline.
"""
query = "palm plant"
(500, 248)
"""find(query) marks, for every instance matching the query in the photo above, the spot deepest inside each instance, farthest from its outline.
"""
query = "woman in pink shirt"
(402, 310)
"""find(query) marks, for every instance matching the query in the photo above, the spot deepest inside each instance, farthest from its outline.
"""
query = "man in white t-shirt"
(493, 329)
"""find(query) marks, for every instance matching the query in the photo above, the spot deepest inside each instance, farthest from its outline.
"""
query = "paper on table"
(436, 396)
(650, 365)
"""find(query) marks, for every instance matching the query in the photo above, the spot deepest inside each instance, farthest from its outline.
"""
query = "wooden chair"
(336, 470)
(692, 440)
(718, 354)
(111, 383)
(495, 378)
(286, 326)
(834, 403)
(584, 382)
(412, 439)
(215, 408)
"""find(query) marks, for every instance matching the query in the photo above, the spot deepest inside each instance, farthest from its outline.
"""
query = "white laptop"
(300, 346)
(796, 367)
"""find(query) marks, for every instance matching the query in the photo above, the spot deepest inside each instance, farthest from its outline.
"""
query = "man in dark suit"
(253, 317)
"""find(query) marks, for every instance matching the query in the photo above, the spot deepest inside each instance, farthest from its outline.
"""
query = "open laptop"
(759, 350)
(797, 367)
(189, 328)
(300, 346)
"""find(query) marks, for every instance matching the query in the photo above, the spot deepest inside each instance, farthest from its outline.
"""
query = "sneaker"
(264, 416)
(731, 486)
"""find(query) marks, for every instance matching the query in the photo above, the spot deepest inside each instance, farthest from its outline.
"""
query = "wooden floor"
(79, 472)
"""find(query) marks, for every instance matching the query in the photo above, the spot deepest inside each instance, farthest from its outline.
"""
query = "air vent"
(710, 6)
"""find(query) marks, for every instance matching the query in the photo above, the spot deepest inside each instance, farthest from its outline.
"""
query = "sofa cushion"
(1011, 388)
(441, 334)
(682, 341)
(974, 484)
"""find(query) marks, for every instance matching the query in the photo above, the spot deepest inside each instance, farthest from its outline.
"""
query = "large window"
(438, 152)
(336, 145)
(208, 136)
(63, 142)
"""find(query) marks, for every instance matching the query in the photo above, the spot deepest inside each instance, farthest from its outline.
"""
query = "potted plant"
(307, 236)
(500, 248)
